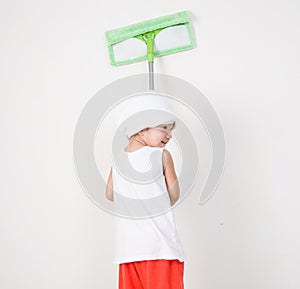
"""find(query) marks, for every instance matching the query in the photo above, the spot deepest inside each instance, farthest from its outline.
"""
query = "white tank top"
(144, 223)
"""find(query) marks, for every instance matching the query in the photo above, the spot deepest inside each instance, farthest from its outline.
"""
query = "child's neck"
(135, 144)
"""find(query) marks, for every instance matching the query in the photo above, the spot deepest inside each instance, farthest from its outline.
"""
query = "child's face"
(159, 136)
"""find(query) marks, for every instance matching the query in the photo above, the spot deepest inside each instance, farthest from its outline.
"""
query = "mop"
(149, 39)
(145, 41)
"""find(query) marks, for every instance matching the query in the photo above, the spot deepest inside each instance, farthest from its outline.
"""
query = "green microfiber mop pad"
(119, 36)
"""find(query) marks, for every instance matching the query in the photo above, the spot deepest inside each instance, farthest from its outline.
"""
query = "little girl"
(149, 251)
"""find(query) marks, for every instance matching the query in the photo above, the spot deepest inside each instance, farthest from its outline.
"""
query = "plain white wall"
(54, 59)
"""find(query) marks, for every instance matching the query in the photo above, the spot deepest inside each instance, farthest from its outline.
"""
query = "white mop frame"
(174, 37)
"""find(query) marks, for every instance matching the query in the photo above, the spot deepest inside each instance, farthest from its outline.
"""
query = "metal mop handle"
(150, 54)
(148, 38)
(151, 76)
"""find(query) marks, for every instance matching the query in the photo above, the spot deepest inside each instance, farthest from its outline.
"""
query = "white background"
(54, 59)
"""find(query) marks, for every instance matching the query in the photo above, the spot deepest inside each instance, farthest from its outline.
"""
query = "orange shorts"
(151, 274)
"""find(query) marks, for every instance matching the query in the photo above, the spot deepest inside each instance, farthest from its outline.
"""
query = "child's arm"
(170, 176)
(109, 187)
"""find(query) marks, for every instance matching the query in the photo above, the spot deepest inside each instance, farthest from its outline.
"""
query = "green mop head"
(149, 39)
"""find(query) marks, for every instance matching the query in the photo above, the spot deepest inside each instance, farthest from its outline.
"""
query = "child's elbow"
(109, 195)
(174, 199)
(174, 195)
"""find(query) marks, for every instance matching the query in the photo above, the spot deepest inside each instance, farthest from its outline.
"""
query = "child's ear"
(142, 132)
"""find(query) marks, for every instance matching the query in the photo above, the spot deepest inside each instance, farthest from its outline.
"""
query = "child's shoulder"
(167, 158)
(166, 153)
